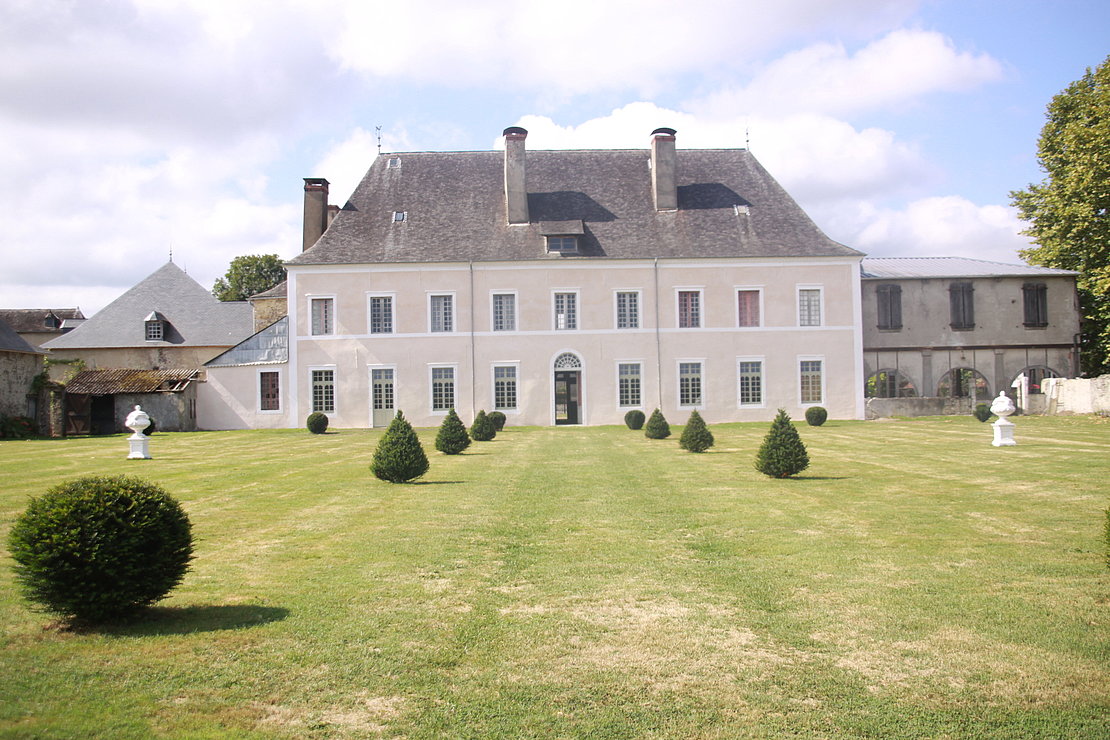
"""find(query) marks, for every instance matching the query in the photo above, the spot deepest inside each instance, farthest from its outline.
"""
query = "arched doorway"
(889, 383)
(568, 389)
(964, 382)
(1036, 375)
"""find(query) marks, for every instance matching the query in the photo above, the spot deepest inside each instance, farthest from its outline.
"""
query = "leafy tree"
(1069, 211)
(696, 437)
(483, 429)
(452, 437)
(657, 426)
(782, 453)
(399, 457)
(249, 275)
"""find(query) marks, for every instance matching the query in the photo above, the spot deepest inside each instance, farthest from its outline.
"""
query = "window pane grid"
(809, 307)
(689, 309)
(269, 392)
(689, 383)
(504, 387)
(810, 379)
(442, 314)
(443, 388)
(504, 312)
(382, 381)
(381, 315)
(323, 391)
(748, 306)
(628, 381)
(628, 311)
(322, 309)
(566, 314)
(751, 382)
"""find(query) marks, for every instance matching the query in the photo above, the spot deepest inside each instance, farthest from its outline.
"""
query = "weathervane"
(379, 130)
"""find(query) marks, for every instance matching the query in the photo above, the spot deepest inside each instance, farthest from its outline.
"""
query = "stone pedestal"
(137, 421)
(1003, 428)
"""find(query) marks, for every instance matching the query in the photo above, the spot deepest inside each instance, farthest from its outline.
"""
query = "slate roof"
(10, 341)
(109, 381)
(889, 268)
(195, 318)
(33, 320)
(278, 291)
(729, 206)
(268, 347)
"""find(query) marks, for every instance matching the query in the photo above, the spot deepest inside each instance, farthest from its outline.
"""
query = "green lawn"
(914, 582)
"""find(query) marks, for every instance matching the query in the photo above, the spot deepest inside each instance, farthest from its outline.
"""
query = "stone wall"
(1078, 395)
(17, 372)
(878, 408)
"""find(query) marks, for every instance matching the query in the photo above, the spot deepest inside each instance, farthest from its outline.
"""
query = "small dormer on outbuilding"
(155, 327)
(562, 237)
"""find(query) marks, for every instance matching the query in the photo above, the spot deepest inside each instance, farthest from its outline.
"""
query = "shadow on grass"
(814, 477)
(435, 482)
(184, 620)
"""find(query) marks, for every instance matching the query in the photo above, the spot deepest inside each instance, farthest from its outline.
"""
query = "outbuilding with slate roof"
(568, 287)
(19, 364)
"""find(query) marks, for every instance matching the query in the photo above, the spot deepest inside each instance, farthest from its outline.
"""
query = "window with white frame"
(504, 387)
(748, 311)
(689, 309)
(155, 330)
(322, 311)
(809, 306)
(628, 309)
(441, 313)
(503, 309)
(381, 314)
(811, 381)
(689, 384)
(323, 391)
(628, 383)
(566, 311)
(443, 388)
(749, 380)
(269, 390)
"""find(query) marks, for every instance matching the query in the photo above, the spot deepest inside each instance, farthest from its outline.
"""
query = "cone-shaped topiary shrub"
(982, 411)
(99, 548)
(782, 453)
(696, 437)
(816, 416)
(317, 422)
(482, 430)
(634, 419)
(498, 419)
(657, 427)
(399, 457)
(452, 437)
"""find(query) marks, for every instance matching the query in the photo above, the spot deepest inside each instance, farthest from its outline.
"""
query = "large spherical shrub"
(816, 416)
(96, 548)
(634, 419)
(317, 422)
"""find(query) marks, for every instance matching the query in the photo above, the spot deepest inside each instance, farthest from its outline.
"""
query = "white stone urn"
(137, 421)
(1003, 428)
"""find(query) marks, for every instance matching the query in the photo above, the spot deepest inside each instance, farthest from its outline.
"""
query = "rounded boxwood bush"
(317, 422)
(482, 430)
(98, 548)
(452, 437)
(657, 426)
(782, 453)
(497, 419)
(816, 416)
(634, 419)
(982, 412)
(399, 457)
(696, 437)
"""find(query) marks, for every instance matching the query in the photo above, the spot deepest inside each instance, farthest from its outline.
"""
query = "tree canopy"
(1069, 211)
(249, 275)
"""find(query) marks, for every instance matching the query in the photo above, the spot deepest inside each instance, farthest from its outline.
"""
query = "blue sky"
(130, 127)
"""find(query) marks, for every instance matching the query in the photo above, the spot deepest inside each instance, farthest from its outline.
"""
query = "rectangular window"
(961, 298)
(269, 391)
(443, 388)
(1035, 299)
(890, 306)
(504, 387)
(566, 310)
(809, 307)
(628, 310)
(628, 384)
(689, 384)
(562, 244)
(323, 316)
(504, 312)
(442, 313)
(810, 381)
(749, 374)
(689, 309)
(381, 314)
(747, 307)
(381, 380)
(154, 331)
(323, 391)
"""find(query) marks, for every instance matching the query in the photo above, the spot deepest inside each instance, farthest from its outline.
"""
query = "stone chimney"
(315, 210)
(663, 185)
(516, 194)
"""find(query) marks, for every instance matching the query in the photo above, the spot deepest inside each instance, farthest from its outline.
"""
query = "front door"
(381, 381)
(567, 397)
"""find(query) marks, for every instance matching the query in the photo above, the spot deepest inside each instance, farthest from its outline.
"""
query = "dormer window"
(51, 321)
(562, 244)
(393, 163)
(400, 216)
(155, 325)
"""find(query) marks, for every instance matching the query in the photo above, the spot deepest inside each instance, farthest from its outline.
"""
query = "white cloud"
(895, 70)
